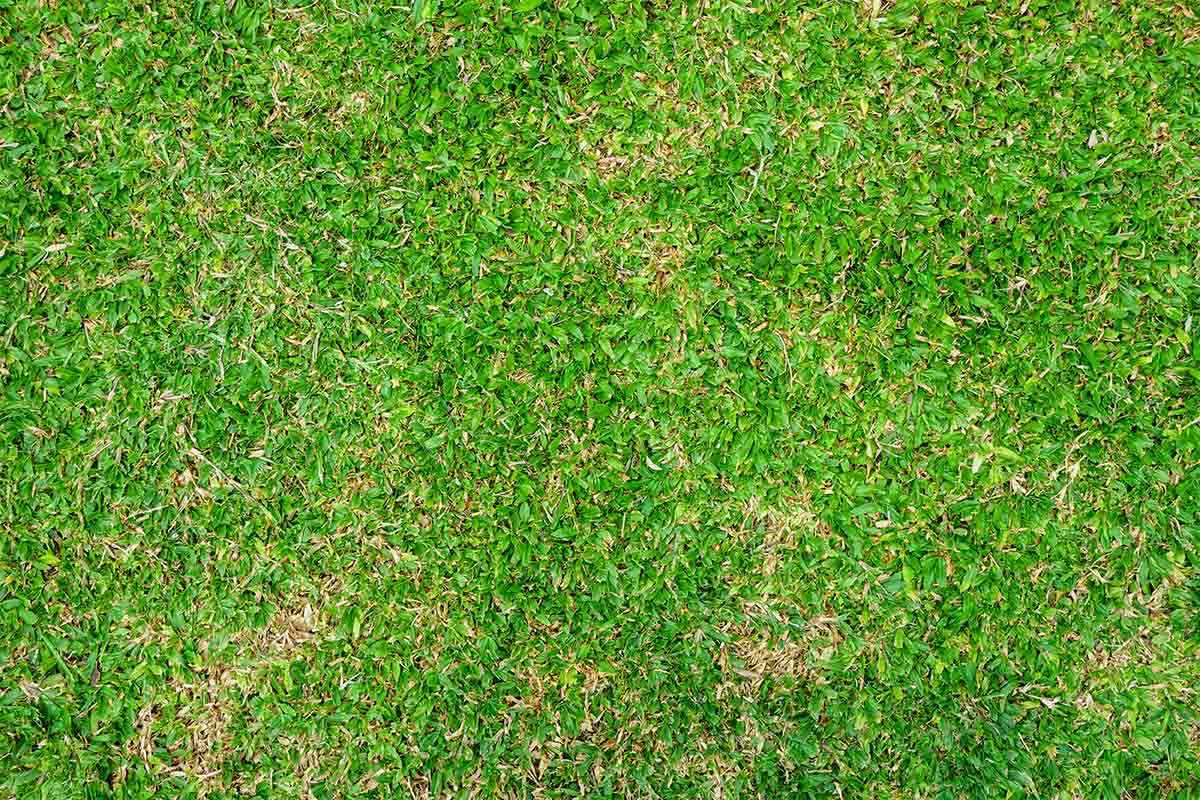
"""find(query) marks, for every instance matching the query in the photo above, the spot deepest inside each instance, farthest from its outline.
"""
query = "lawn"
(608, 399)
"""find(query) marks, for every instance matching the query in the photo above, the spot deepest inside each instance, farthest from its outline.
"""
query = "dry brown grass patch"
(210, 703)
(766, 646)
(783, 526)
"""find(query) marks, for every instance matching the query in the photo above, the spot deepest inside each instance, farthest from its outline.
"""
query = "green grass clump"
(608, 399)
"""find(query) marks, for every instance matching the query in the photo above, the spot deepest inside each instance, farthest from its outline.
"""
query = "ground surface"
(615, 399)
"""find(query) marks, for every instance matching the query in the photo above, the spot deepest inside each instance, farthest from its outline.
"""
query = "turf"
(599, 399)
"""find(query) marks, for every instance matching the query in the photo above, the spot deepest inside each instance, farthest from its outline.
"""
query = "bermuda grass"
(606, 399)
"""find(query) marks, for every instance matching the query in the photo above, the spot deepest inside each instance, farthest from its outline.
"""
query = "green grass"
(608, 399)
